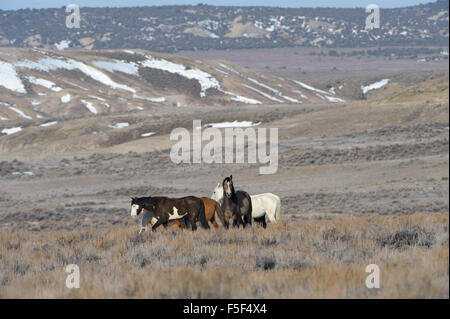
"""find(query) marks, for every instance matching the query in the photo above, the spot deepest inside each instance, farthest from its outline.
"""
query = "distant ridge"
(202, 27)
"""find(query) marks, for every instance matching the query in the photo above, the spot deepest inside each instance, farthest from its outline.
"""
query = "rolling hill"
(202, 27)
(38, 84)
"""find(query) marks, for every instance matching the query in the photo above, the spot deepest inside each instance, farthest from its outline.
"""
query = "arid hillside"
(38, 84)
(81, 100)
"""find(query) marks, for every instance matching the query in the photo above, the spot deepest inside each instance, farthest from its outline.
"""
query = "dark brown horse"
(236, 206)
(161, 210)
(211, 209)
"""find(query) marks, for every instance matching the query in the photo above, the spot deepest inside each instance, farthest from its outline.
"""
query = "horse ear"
(231, 177)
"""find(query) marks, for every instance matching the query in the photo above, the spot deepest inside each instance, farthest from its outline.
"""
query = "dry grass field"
(303, 257)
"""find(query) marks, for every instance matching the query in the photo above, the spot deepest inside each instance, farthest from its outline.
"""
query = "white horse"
(266, 204)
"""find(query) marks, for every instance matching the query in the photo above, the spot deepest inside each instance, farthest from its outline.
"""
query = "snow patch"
(148, 134)
(119, 125)
(12, 130)
(89, 106)
(242, 99)
(63, 44)
(374, 86)
(206, 80)
(121, 66)
(275, 91)
(97, 98)
(49, 64)
(232, 124)
(306, 86)
(334, 99)
(10, 79)
(300, 93)
(263, 94)
(150, 99)
(21, 113)
(229, 68)
(48, 124)
(65, 98)
(45, 83)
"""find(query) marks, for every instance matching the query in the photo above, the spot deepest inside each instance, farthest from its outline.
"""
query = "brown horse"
(162, 210)
(211, 208)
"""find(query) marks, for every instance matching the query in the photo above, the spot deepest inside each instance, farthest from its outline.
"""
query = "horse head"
(140, 203)
(136, 207)
(217, 194)
(228, 188)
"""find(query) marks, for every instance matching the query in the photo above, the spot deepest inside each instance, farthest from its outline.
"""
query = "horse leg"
(261, 221)
(156, 225)
(144, 221)
(245, 220)
(248, 218)
(193, 223)
(202, 217)
(236, 220)
(214, 223)
(219, 212)
(184, 222)
(271, 218)
(239, 221)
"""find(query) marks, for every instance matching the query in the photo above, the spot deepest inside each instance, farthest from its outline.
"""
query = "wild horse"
(161, 210)
(236, 206)
(263, 205)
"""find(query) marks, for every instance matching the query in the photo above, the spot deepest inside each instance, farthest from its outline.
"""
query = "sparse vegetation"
(311, 257)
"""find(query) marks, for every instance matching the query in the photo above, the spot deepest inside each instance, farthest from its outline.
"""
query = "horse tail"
(202, 216)
(219, 212)
(278, 209)
(250, 209)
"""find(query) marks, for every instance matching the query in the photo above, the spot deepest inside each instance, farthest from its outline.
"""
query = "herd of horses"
(232, 207)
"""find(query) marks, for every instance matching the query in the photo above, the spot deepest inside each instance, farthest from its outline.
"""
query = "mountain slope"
(37, 84)
(175, 28)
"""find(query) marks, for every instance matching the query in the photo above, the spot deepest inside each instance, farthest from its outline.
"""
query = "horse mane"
(146, 200)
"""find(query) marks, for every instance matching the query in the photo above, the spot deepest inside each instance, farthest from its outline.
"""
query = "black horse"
(161, 210)
(236, 206)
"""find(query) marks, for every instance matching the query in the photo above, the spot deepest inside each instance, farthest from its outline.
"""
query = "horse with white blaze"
(266, 204)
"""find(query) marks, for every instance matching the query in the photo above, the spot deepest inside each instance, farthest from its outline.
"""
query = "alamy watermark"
(373, 19)
(73, 279)
(373, 280)
(73, 19)
(261, 147)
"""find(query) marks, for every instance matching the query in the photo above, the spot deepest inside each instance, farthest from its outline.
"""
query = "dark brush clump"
(408, 237)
